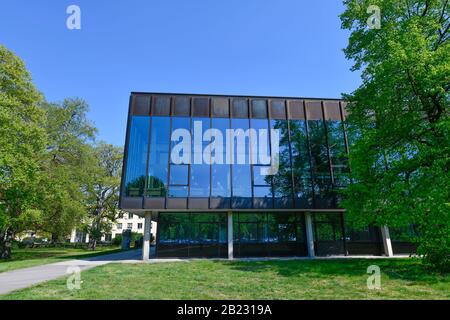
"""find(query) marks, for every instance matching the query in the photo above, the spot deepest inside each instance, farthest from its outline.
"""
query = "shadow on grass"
(410, 269)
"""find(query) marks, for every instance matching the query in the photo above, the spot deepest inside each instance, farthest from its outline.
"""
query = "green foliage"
(134, 236)
(399, 121)
(102, 189)
(69, 133)
(52, 176)
(22, 145)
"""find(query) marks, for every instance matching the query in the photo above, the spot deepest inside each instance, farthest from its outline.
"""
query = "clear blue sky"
(255, 47)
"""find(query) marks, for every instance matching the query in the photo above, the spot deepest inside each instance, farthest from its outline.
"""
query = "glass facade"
(269, 234)
(292, 159)
(192, 235)
(310, 150)
(136, 168)
(158, 163)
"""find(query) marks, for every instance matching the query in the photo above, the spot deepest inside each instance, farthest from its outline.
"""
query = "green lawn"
(23, 258)
(203, 279)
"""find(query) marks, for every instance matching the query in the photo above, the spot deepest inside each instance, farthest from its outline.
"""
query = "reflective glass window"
(262, 192)
(260, 179)
(179, 175)
(200, 170)
(242, 181)
(178, 191)
(159, 157)
(319, 156)
(303, 189)
(282, 180)
(220, 170)
(137, 156)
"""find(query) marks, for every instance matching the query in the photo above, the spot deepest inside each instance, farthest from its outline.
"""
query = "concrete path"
(23, 278)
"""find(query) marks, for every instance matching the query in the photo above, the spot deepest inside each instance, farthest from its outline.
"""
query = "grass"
(206, 279)
(30, 257)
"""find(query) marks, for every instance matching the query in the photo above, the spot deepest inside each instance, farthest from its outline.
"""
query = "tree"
(399, 120)
(69, 135)
(22, 146)
(102, 190)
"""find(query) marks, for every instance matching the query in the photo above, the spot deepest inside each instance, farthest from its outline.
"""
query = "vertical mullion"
(229, 152)
(327, 144)
(290, 159)
(191, 155)
(269, 126)
(250, 117)
(311, 169)
(169, 162)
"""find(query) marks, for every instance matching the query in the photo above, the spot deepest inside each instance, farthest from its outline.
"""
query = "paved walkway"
(23, 278)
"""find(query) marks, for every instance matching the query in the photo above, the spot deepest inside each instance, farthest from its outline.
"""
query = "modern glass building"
(230, 208)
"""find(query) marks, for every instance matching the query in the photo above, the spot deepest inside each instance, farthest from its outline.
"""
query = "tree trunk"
(93, 244)
(54, 238)
(6, 238)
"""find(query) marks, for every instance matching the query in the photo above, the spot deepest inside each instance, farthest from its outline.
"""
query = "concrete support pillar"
(230, 235)
(309, 235)
(147, 233)
(387, 241)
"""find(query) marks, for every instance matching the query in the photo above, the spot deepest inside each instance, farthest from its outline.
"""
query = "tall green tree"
(102, 190)
(70, 134)
(399, 120)
(22, 147)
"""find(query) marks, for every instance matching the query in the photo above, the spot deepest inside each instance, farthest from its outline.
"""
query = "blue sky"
(254, 47)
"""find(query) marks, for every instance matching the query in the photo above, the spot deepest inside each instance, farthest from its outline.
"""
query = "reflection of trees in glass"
(319, 157)
(301, 161)
(282, 181)
(338, 153)
(327, 227)
(174, 228)
(135, 188)
(156, 187)
(267, 227)
(282, 227)
(192, 228)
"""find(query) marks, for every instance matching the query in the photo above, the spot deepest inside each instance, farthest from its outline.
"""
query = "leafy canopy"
(399, 122)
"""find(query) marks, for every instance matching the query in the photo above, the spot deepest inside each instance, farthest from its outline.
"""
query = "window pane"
(338, 154)
(262, 192)
(282, 181)
(262, 153)
(179, 175)
(137, 156)
(301, 164)
(178, 191)
(200, 173)
(242, 182)
(221, 173)
(258, 178)
(159, 157)
(319, 153)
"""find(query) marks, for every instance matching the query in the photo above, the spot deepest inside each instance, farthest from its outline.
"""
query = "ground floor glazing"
(262, 234)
